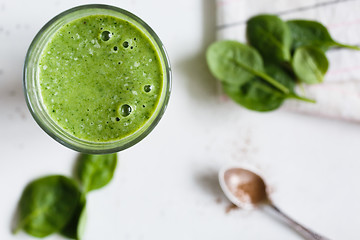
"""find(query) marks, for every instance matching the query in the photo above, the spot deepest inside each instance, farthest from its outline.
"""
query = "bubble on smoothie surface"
(105, 35)
(147, 88)
(125, 110)
(125, 44)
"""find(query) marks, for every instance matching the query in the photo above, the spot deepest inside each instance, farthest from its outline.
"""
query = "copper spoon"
(247, 190)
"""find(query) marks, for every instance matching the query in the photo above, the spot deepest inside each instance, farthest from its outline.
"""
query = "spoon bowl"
(242, 187)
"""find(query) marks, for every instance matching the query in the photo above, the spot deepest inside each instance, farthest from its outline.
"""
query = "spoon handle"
(303, 231)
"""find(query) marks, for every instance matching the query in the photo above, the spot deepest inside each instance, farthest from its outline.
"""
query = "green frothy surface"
(101, 78)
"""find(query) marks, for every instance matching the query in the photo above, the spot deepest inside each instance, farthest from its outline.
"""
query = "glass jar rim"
(33, 98)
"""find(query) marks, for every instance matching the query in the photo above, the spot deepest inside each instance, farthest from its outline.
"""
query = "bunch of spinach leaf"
(260, 75)
(57, 204)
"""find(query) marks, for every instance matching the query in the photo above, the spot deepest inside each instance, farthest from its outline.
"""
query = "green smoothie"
(100, 77)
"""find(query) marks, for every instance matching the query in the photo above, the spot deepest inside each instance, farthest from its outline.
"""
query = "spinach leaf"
(95, 171)
(280, 74)
(81, 224)
(235, 63)
(259, 95)
(287, 78)
(312, 33)
(270, 36)
(47, 204)
(75, 226)
(255, 95)
(232, 62)
(310, 64)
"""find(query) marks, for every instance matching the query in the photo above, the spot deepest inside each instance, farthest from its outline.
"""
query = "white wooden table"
(166, 186)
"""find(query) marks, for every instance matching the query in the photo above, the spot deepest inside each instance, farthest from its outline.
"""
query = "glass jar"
(33, 91)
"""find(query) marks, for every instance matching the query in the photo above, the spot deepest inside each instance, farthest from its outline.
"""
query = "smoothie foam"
(100, 77)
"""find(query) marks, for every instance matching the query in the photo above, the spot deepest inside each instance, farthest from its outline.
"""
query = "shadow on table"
(209, 183)
(15, 219)
(12, 100)
(201, 84)
(11, 89)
